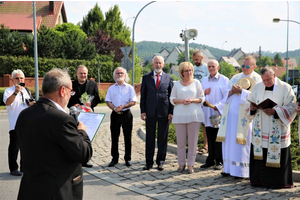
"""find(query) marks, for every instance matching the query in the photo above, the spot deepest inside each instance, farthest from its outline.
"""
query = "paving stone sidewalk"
(169, 184)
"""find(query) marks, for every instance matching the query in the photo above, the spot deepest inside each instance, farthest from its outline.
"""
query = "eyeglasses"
(19, 78)
(189, 70)
(120, 73)
(247, 66)
(72, 92)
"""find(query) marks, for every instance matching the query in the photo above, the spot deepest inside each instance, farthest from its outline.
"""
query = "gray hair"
(17, 71)
(266, 69)
(214, 61)
(55, 79)
(80, 66)
(125, 72)
(158, 57)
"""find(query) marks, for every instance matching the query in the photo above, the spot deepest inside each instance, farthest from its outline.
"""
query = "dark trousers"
(116, 121)
(162, 139)
(13, 150)
(214, 148)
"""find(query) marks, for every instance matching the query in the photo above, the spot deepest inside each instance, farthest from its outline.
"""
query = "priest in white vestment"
(270, 157)
(235, 127)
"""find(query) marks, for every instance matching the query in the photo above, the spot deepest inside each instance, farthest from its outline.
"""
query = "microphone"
(73, 110)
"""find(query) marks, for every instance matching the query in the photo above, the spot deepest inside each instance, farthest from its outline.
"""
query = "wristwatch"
(115, 108)
(15, 94)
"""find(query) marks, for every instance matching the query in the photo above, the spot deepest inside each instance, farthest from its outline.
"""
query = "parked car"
(295, 88)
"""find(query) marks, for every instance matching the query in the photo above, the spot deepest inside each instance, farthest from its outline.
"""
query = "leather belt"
(123, 112)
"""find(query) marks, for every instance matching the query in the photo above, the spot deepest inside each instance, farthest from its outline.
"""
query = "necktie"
(157, 81)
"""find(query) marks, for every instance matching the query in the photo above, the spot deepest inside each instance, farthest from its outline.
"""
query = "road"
(94, 188)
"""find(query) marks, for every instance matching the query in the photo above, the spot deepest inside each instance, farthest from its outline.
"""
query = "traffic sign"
(125, 50)
(126, 63)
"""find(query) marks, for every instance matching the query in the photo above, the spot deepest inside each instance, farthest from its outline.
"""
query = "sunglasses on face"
(247, 66)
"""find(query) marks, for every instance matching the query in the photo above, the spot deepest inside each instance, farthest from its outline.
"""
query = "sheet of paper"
(92, 122)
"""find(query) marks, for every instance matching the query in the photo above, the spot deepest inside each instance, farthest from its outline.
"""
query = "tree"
(75, 44)
(181, 57)
(265, 61)
(92, 21)
(228, 69)
(114, 25)
(137, 71)
(12, 43)
(49, 43)
(105, 45)
(278, 60)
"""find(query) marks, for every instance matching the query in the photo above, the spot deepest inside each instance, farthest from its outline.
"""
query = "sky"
(220, 24)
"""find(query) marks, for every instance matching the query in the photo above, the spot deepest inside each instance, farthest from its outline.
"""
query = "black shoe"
(147, 167)
(112, 163)
(218, 166)
(205, 166)
(128, 163)
(160, 167)
(225, 174)
(89, 165)
(16, 173)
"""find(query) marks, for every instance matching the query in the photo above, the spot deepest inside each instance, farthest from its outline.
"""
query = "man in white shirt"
(201, 71)
(15, 101)
(120, 97)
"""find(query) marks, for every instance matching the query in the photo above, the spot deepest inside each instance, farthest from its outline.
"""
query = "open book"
(267, 103)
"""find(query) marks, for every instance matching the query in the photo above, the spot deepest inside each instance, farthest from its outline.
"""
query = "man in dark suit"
(80, 86)
(52, 144)
(156, 108)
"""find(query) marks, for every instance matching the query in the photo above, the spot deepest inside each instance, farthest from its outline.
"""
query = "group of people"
(248, 142)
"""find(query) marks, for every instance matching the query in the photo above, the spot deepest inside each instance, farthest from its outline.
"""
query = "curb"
(199, 158)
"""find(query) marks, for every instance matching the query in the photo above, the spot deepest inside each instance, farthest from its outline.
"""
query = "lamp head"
(276, 20)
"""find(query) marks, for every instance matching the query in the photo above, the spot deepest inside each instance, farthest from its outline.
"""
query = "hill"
(148, 48)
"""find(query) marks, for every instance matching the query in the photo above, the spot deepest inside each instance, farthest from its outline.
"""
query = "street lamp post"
(133, 40)
(276, 20)
(221, 61)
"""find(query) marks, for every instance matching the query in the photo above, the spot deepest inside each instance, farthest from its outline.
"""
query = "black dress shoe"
(112, 163)
(205, 166)
(16, 173)
(218, 166)
(147, 167)
(160, 167)
(128, 163)
(89, 165)
(225, 174)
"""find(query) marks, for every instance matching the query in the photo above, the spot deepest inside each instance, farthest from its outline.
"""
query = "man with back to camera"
(15, 100)
(156, 109)
(80, 86)
(201, 71)
(120, 98)
(235, 127)
(52, 145)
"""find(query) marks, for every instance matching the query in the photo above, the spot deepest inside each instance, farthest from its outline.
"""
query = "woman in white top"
(186, 96)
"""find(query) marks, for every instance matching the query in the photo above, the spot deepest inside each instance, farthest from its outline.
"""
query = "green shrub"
(26, 64)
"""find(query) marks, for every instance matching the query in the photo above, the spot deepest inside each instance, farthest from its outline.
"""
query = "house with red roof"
(18, 15)
(290, 64)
